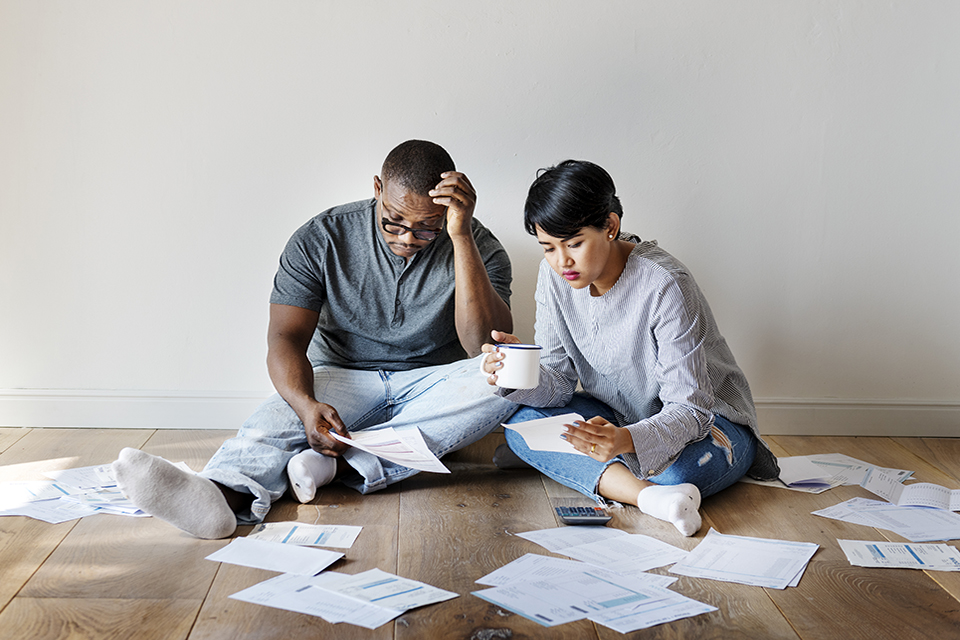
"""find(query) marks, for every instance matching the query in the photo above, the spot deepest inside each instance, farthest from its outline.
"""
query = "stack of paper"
(553, 591)
(606, 584)
(761, 562)
(822, 471)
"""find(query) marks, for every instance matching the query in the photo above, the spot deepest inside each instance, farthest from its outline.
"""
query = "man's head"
(402, 190)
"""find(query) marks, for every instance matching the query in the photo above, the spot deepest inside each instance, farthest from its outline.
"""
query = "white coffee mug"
(521, 366)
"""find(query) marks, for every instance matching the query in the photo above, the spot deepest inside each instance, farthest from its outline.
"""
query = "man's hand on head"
(319, 424)
(456, 193)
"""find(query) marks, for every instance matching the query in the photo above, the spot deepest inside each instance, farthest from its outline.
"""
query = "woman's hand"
(599, 439)
(492, 358)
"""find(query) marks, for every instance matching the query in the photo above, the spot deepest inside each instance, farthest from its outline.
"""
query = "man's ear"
(377, 186)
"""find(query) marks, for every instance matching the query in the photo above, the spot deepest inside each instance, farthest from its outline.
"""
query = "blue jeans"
(708, 464)
(451, 404)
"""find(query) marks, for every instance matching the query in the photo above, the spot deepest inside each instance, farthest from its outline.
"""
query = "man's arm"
(288, 336)
(478, 308)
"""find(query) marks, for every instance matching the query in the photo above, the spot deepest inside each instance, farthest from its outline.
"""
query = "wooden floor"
(116, 577)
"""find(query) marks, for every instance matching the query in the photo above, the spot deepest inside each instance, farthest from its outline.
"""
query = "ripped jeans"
(710, 464)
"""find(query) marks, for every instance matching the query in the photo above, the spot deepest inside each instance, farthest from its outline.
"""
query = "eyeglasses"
(395, 229)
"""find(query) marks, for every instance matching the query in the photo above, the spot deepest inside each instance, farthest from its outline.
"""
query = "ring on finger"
(593, 448)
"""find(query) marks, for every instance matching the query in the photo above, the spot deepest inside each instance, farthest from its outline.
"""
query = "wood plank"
(55, 619)
(472, 517)
(942, 453)
(110, 556)
(9, 435)
(53, 449)
(835, 599)
(26, 543)
(376, 546)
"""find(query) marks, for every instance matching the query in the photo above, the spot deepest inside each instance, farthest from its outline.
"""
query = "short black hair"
(416, 165)
(568, 197)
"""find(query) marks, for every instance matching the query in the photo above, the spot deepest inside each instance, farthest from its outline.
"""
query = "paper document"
(921, 494)
(51, 511)
(274, 556)
(917, 524)
(632, 553)
(755, 561)
(605, 597)
(107, 500)
(544, 434)
(819, 472)
(303, 594)
(850, 471)
(899, 555)
(533, 567)
(607, 547)
(17, 493)
(85, 477)
(559, 538)
(405, 447)
(668, 607)
(71, 494)
(800, 470)
(301, 533)
(388, 590)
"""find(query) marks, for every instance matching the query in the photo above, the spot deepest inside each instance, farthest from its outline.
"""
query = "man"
(375, 306)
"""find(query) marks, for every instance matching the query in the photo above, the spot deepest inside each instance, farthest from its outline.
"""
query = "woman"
(671, 414)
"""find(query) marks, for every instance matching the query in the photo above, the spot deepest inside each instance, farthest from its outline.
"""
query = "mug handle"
(483, 361)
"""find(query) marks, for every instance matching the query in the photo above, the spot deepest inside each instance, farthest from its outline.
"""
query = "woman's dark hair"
(568, 197)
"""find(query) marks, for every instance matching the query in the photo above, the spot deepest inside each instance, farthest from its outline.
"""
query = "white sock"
(309, 470)
(185, 500)
(678, 504)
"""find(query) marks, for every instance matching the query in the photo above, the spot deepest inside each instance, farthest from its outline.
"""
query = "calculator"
(583, 515)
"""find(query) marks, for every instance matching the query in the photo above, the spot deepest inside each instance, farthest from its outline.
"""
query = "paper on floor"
(901, 555)
(760, 562)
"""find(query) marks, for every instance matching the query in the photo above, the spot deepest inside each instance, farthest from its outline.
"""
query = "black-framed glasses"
(395, 229)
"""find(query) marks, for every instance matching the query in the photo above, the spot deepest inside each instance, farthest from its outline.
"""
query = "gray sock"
(185, 500)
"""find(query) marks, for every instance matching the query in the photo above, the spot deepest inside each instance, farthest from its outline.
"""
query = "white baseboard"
(125, 409)
(823, 417)
(226, 410)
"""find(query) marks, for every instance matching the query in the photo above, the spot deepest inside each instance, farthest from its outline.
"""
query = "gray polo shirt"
(377, 309)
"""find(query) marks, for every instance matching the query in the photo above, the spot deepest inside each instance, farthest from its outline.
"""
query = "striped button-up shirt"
(650, 349)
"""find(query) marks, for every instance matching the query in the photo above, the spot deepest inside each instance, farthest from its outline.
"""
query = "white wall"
(800, 157)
